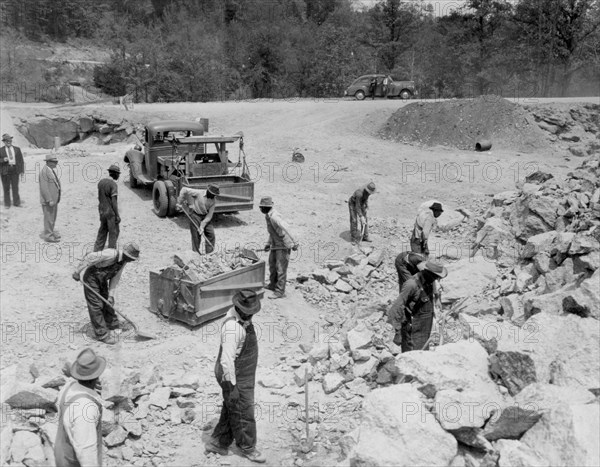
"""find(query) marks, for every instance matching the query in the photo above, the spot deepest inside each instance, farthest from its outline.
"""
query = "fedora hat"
(114, 168)
(6, 137)
(371, 187)
(88, 365)
(266, 202)
(51, 158)
(433, 267)
(132, 250)
(214, 190)
(436, 207)
(246, 301)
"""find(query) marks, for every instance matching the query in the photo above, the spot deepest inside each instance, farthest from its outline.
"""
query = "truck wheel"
(160, 198)
(405, 94)
(360, 95)
(172, 211)
(133, 183)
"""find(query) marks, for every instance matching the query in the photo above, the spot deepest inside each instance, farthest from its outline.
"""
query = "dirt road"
(43, 309)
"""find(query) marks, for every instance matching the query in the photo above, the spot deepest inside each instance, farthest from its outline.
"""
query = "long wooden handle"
(108, 303)
(184, 209)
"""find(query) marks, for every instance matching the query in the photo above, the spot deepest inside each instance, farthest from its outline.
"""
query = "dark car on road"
(399, 89)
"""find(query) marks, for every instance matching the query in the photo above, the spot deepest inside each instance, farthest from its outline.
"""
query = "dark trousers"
(108, 228)
(278, 264)
(10, 182)
(50, 213)
(416, 329)
(355, 232)
(237, 420)
(403, 273)
(209, 233)
(102, 316)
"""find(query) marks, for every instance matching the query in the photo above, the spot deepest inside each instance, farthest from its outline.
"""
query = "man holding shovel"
(358, 205)
(413, 311)
(280, 244)
(202, 209)
(101, 273)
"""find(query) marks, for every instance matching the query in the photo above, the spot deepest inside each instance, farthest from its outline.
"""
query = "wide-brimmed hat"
(6, 137)
(266, 202)
(88, 365)
(433, 267)
(132, 250)
(114, 168)
(370, 188)
(214, 190)
(436, 207)
(246, 301)
(51, 158)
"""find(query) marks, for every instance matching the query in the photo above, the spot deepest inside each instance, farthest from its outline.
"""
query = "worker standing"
(108, 208)
(202, 211)
(79, 433)
(412, 313)
(279, 245)
(102, 272)
(424, 224)
(50, 191)
(406, 266)
(235, 370)
(358, 205)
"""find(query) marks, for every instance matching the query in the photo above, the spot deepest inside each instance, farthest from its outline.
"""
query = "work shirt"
(424, 224)
(80, 420)
(233, 336)
(195, 199)
(107, 189)
(415, 296)
(103, 259)
(359, 201)
(278, 229)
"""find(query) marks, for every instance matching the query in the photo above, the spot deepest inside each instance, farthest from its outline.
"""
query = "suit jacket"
(49, 186)
(5, 167)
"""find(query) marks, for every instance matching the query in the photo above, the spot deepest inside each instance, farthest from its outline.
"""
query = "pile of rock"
(193, 267)
(545, 237)
(135, 403)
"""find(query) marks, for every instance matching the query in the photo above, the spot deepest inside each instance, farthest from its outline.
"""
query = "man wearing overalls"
(102, 274)
(235, 370)
(413, 311)
(78, 440)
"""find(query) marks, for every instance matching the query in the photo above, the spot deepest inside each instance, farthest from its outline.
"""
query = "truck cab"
(176, 153)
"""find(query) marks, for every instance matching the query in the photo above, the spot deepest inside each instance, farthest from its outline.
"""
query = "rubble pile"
(135, 403)
(544, 237)
(193, 267)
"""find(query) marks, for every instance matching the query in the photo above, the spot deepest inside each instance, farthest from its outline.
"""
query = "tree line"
(203, 50)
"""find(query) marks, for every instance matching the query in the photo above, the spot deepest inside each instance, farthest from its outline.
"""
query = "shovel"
(142, 334)
(184, 209)
(251, 254)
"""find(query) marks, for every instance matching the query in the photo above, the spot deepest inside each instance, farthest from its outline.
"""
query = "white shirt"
(233, 336)
(10, 153)
(102, 259)
(80, 422)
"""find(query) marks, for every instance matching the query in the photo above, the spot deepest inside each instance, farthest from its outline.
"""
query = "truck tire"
(405, 94)
(160, 198)
(133, 183)
(171, 195)
(360, 95)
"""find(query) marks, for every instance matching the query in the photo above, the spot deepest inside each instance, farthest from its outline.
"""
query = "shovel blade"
(249, 254)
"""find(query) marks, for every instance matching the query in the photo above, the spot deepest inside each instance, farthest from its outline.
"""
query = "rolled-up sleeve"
(96, 258)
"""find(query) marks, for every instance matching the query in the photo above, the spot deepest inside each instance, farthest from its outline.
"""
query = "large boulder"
(538, 243)
(559, 349)
(494, 231)
(32, 396)
(567, 435)
(27, 446)
(41, 131)
(397, 430)
(460, 366)
(468, 277)
(532, 215)
(513, 453)
(486, 330)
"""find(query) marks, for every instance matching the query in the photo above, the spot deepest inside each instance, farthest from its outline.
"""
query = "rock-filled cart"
(179, 292)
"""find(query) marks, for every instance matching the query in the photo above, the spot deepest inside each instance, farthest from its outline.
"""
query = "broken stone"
(27, 445)
(117, 384)
(188, 416)
(300, 374)
(175, 414)
(325, 276)
(32, 396)
(377, 257)
(320, 351)
(473, 437)
(539, 243)
(182, 380)
(354, 260)
(131, 425)
(543, 263)
(185, 403)
(116, 437)
(343, 286)
(514, 453)
(389, 431)
(127, 453)
(108, 422)
(359, 387)
(359, 338)
(510, 422)
(366, 370)
(465, 409)
(513, 308)
(332, 382)
(160, 397)
(468, 277)
(504, 198)
(271, 381)
(361, 355)
(184, 392)
(583, 244)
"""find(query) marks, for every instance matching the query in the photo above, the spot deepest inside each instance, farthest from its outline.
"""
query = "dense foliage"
(200, 50)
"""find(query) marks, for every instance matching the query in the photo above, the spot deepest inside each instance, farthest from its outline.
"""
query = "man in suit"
(50, 197)
(11, 168)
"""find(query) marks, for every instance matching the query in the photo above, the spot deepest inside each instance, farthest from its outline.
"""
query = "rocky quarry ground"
(514, 378)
